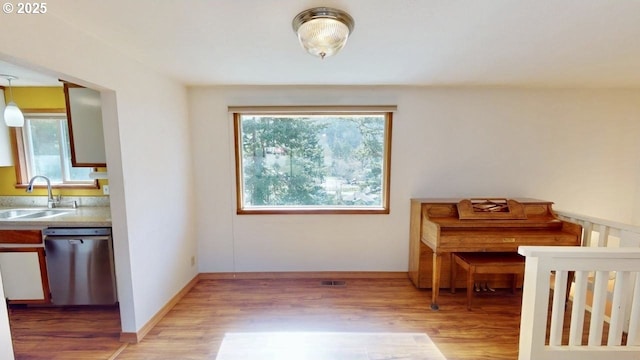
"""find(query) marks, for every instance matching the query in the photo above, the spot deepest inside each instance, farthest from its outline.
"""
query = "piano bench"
(486, 263)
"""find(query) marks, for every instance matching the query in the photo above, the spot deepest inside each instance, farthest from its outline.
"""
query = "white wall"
(148, 154)
(578, 148)
(6, 158)
(6, 346)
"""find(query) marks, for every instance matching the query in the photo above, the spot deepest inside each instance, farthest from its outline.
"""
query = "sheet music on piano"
(490, 208)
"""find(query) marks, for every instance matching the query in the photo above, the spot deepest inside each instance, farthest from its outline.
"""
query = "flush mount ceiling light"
(12, 115)
(323, 31)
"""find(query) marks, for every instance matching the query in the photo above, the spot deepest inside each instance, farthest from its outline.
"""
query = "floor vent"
(333, 283)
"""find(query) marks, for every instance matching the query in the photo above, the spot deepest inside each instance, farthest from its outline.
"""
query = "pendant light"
(323, 31)
(13, 117)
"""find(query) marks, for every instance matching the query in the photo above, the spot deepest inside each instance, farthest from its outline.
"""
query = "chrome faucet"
(51, 202)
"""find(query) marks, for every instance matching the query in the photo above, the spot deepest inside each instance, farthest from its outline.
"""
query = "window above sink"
(46, 150)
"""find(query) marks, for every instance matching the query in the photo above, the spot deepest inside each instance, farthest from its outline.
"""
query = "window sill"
(91, 186)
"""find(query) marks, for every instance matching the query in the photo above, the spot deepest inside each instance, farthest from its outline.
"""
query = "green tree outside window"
(305, 162)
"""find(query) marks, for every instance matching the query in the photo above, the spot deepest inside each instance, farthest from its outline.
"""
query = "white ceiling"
(25, 77)
(559, 43)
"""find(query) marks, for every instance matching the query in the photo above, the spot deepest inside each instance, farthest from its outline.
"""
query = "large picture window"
(313, 161)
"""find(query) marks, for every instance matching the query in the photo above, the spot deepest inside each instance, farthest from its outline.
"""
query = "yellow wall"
(37, 98)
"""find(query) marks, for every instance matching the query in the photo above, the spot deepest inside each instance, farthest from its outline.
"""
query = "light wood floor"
(196, 326)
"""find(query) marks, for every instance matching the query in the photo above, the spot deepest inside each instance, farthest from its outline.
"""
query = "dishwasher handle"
(75, 239)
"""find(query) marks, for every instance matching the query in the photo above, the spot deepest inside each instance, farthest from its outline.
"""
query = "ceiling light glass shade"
(13, 117)
(323, 31)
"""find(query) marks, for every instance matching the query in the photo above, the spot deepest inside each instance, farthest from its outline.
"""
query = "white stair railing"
(603, 233)
(620, 264)
(598, 232)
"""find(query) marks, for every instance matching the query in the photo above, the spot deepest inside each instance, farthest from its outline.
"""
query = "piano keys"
(440, 227)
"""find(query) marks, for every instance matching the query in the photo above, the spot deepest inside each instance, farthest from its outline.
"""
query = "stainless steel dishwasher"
(80, 266)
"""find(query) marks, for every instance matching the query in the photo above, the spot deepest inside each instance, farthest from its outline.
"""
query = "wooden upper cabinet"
(84, 114)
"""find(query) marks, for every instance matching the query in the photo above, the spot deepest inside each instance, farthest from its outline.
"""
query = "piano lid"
(490, 209)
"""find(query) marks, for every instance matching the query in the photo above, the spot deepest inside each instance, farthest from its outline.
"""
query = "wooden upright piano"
(440, 227)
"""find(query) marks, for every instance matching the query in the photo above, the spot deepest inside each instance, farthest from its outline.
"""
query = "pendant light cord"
(10, 90)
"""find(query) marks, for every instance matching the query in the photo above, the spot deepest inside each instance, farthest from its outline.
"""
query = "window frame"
(20, 157)
(386, 111)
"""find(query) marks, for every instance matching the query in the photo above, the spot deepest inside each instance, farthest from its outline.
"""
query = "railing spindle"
(618, 308)
(603, 238)
(598, 307)
(633, 337)
(557, 312)
(578, 308)
(587, 232)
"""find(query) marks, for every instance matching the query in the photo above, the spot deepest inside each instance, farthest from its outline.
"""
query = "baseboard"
(329, 275)
(136, 337)
(130, 337)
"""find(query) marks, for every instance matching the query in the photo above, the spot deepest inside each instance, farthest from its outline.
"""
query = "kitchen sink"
(13, 213)
(17, 214)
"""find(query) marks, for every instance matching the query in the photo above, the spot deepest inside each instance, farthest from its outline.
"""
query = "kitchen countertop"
(91, 216)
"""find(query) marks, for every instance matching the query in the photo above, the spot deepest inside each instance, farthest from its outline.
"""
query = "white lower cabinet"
(24, 275)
